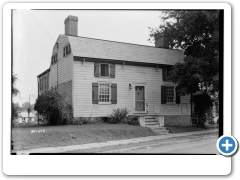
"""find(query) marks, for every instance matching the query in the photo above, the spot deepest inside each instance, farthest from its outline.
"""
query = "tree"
(50, 105)
(15, 107)
(25, 106)
(15, 91)
(16, 111)
(196, 33)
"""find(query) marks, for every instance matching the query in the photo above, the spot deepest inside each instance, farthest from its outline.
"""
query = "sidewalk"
(63, 149)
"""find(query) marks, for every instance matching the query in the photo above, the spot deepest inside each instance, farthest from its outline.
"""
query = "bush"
(132, 120)
(118, 115)
(86, 120)
(50, 105)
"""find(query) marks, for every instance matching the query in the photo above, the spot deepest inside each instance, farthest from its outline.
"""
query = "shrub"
(132, 120)
(50, 105)
(86, 120)
(118, 115)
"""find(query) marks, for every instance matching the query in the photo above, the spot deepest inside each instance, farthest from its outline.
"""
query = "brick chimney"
(161, 41)
(71, 26)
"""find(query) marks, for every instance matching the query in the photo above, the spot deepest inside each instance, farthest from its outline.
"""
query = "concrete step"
(159, 130)
(158, 127)
(149, 117)
(150, 123)
(152, 126)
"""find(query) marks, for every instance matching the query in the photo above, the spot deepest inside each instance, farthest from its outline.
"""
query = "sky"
(36, 31)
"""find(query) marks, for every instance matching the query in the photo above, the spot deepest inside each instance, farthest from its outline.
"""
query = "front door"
(139, 98)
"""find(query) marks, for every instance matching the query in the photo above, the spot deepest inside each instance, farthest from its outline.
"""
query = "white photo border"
(113, 164)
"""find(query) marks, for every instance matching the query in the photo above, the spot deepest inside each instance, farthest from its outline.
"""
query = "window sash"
(104, 70)
(104, 93)
(170, 96)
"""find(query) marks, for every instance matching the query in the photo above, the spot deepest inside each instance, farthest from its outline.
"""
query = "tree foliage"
(50, 105)
(15, 91)
(16, 111)
(196, 33)
(15, 107)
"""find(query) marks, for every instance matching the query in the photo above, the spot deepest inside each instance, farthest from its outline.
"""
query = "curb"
(153, 145)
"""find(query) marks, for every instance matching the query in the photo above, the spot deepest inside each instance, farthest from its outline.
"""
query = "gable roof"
(103, 49)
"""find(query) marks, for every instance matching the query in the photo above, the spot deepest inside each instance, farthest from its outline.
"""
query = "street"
(198, 146)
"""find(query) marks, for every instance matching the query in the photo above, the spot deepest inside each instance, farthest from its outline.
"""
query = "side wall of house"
(83, 77)
(61, 71)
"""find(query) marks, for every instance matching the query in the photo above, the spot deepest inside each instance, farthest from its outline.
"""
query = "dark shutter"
(164, 74)
(64, 52)
(163, 95)
(178, 97)
(96, 69)
(69, 49)
(114, 93)
(95, 93)
(112, 70)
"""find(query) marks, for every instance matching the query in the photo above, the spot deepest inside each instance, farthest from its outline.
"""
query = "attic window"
(66, 50)
(54, 58)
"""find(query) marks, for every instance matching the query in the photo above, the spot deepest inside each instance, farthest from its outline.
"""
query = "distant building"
(24, 118)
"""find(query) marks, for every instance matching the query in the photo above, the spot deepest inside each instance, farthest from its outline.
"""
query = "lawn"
(52, 136)
(176, 129)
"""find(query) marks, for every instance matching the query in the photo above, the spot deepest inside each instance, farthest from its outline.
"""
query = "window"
(23, 120)
(54, 58)
(166, 73)
(104, 70)
(104, 93)
(66, 50)
(170, 94)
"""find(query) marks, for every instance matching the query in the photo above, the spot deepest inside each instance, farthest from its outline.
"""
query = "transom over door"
(139, 98)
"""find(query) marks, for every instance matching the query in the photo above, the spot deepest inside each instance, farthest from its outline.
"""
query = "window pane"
(104, 92)
(104, 70)
(170, 94)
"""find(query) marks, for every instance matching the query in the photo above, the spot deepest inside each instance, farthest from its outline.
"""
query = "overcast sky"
(35, 33)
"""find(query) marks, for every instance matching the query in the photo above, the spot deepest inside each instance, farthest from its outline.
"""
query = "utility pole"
(28, 109)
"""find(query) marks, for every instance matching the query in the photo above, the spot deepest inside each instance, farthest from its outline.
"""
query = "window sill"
(140, 112)
(105, 77)
(104, 103)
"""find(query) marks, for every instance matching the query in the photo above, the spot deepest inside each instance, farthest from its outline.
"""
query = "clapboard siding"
(64, 64)
(152, 79)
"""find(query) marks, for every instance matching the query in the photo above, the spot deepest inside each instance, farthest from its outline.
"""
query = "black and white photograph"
(140, 84)
(111, 81)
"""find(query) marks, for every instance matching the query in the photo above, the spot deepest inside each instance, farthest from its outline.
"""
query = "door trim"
(134, 94)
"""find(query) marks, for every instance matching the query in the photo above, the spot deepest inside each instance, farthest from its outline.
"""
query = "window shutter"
(163, 95)
(63, 51)
(69, 49)
(178, 97)
(112, 70)
(96, 69)
(95, 93)
(114, 93)
(164, 74)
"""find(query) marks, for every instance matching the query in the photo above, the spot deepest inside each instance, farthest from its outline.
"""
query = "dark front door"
(139, 98)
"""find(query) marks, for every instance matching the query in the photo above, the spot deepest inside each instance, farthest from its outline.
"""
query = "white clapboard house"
(96, 76)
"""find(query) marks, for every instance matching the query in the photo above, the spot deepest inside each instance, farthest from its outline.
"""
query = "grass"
(177, 129)
(54, 136)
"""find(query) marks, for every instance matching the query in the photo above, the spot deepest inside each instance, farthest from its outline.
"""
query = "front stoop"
(151, 122)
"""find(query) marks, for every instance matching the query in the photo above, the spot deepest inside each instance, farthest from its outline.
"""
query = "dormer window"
(66, 50)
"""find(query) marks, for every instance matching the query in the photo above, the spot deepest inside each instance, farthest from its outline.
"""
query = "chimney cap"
(71, 18)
